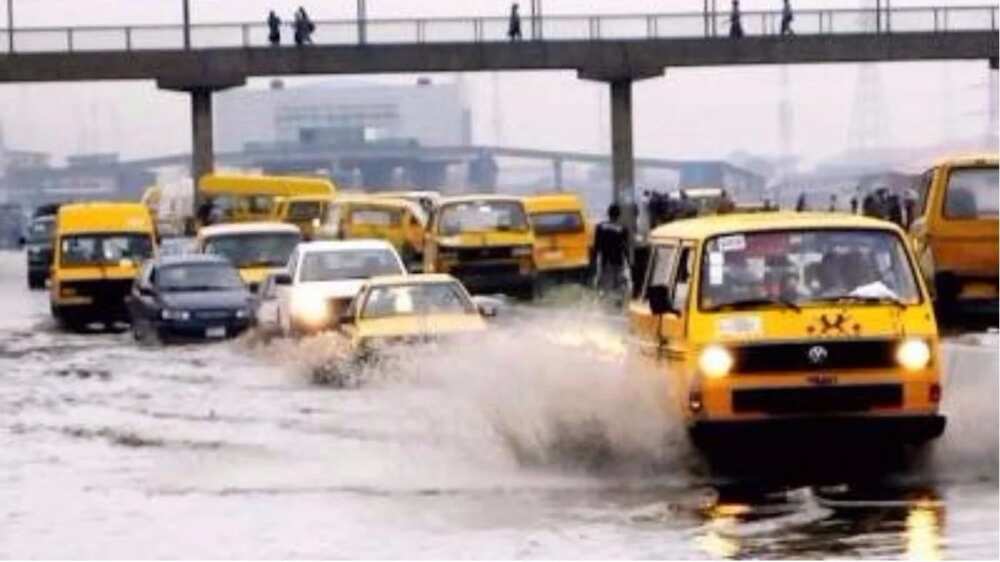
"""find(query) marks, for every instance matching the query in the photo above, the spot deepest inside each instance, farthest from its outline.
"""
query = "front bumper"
(888, 429)
(201, 329)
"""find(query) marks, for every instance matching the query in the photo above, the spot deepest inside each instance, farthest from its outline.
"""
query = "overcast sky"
(689, 113)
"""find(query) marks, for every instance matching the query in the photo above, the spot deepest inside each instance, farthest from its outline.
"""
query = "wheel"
(36, 281)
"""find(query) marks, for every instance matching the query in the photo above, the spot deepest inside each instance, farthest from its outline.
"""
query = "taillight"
(935, 393)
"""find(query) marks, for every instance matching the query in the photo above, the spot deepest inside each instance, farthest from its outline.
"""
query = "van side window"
(661, 261)
(924, 191)
(682, 280)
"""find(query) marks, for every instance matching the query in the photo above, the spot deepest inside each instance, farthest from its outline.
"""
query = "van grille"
(855, 398)
(486, 253)
(101, 290)
(795, 357)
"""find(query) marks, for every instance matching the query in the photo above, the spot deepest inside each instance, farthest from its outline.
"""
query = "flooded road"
(532, 444)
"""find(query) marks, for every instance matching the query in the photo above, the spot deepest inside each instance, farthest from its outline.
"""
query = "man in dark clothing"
(304, 27)
(611, 252)
(514, 29)
(726, 204)
(786, 19)
(735, 24)
(800, 205)
(274, 28)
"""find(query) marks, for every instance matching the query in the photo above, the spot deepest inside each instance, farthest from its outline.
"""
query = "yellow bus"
(228, 198)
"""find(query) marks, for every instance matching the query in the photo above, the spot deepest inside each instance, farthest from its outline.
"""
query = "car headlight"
(309, 308)
(169, 314)
(315, 223)
(521, 251)
(913, 354)
(715, 361)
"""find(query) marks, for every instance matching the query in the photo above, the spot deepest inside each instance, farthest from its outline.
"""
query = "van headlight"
(310, 308)
(715, 361)
(170, 314)
(913, 354)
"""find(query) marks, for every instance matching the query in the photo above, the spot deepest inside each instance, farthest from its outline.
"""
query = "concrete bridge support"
(557, 173)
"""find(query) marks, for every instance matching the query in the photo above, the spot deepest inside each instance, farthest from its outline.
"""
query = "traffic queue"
(766, 321)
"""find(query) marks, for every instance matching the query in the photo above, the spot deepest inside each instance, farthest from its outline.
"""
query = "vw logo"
(817, 354)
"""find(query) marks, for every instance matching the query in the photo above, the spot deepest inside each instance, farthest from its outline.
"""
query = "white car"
(321, 281)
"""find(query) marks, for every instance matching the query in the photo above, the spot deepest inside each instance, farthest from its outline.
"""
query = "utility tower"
(869, 122)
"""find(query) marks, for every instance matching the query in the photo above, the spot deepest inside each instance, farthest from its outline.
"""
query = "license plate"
(216, 332)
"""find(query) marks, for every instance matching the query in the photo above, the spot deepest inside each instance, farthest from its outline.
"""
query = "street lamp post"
(187, 24)
(10, 26)
(362, 27)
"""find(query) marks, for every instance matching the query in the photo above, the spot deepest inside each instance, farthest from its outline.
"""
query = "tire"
(36, 281)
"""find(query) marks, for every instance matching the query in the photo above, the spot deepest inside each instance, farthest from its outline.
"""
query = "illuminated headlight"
(315, 223)
(521, 251)
(168, 314)
(67, 291)
(913, 354)
(310, 308)
(715, 361)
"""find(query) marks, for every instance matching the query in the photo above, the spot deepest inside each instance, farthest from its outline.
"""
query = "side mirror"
(659, 299)
(487, 307)
(282, 279)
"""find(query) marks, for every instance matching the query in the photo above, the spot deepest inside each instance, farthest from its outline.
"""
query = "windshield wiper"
(885, 299)
(748, 303)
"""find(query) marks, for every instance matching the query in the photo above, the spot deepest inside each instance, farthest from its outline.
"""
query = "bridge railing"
(494, 29)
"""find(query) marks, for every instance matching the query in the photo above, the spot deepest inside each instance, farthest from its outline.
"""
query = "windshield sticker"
(741, 326)
(734, 243)
(716, 258)
(715, 271)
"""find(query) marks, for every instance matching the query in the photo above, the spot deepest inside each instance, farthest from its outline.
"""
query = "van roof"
(104, 217)
(969, 159)
(246, 228)
(706, 227)
(553, 202)
(471, 198)
(272, 185)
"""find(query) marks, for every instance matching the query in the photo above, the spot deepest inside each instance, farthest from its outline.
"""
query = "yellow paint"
(560, 250)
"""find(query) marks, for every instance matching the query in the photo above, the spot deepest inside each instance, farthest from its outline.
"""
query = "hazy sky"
(690, 113)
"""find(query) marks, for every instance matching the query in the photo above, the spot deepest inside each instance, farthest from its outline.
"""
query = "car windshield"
(92, 249)
(305, 210)
(338, 265)
(482, 216)
(972, 194)
(557, 223)
(798, 267)
(41, 230)
(262, 249)
(416, 299)
(198, 277)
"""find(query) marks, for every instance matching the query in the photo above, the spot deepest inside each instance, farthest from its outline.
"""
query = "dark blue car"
(189, 297)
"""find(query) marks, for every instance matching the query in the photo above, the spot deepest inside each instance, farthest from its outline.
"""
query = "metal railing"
(494, 29)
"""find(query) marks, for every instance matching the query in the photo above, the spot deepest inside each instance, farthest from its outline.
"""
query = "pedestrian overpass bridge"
(617, 49)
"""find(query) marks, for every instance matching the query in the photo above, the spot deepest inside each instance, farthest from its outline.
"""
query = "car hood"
(345, 289)
(199, 300)
(433, 324)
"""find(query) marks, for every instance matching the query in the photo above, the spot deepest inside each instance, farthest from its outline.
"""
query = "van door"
(674, 324)
(643, 325)
(963, 236)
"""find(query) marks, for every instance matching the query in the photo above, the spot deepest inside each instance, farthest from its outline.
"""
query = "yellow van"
(562, 234)
(485, 241)
(791, 322)
(97, 250)
(228, 198)
(304, 211)
(428, 199)
(401, 223)
(256, 249)
(955, 233)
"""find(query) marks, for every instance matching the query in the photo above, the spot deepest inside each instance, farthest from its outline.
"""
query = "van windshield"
(305, 210)
(557, 223)
(972, 194)
(800, 267)
(99, 249)
(263, 249)
(482, 216)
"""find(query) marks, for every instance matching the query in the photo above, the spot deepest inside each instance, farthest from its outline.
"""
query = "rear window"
(557, 223)
(305, 210)
(375, 217)
(972, 194)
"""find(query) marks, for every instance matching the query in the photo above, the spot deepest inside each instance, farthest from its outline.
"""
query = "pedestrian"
(786, 19)
(304, 27)
(726, 204)
(735, 24)
(274, 29)
(800, 205)
(611, 253)
(854, 205)
(833, 203)
(514, 29)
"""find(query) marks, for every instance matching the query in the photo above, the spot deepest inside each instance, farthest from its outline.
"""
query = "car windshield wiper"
(749, 303)
(885, 299)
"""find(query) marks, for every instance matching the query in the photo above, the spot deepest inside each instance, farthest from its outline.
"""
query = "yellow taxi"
(256, 249)
(791, 322)
(563, 237)
(97, 250)
(955, 233)
(485, 241)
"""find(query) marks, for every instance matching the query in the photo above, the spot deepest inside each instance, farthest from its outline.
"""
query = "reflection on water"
(807, 522)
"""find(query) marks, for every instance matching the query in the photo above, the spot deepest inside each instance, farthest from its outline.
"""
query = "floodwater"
(528, 443)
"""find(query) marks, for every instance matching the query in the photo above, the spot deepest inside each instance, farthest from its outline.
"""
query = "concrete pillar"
(557, 173)
(202, 150)
(622, 157)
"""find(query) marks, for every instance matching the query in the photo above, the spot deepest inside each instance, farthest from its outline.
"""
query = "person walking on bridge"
(304, 27)
(514, 29)
(786, 19)
(274, 29)
(735, 22)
